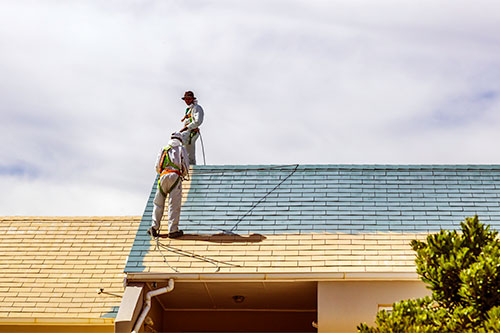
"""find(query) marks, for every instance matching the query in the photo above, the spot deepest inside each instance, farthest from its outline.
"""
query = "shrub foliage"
(462, 269)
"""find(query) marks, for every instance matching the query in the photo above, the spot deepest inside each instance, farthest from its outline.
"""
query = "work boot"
(175, 234)
(153, 232)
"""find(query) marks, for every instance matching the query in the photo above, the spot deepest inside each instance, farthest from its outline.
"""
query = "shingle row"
(347, 198)
(350, 199)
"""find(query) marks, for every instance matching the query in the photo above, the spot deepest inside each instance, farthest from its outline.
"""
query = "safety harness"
(164, 163)
(195, 131)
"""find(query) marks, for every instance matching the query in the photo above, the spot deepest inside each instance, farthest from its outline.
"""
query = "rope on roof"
(215, 262)
(258, 202)
(193, 255)
(231, 231)
(157, 247)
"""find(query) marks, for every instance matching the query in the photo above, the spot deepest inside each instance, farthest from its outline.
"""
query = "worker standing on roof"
(192, 120)
(173, 165)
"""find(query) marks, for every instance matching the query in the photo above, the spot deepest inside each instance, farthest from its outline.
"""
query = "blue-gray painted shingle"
(332, 198)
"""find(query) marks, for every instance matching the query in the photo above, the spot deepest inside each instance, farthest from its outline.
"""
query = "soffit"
(218, 296)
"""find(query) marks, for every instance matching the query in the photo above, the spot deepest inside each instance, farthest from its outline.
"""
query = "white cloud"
(90, 90)
(27, 196)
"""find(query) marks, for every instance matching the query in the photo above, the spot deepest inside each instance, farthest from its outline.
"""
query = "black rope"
(163, 256)
(214, 261)
(193, 255)
(280, 167)
(262, 199)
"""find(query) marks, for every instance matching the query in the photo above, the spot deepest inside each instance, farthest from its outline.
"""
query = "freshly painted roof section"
(52, 267)
(315, 218)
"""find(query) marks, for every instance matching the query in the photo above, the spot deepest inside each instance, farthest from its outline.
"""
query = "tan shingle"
(294, 253)
(52, 267)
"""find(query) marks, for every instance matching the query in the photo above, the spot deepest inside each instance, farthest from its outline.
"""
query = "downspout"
(149, 296)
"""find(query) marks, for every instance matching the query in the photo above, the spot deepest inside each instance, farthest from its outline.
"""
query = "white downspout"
(149, 295)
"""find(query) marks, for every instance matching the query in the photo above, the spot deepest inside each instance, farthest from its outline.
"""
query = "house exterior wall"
(130, 308)
(344, 305)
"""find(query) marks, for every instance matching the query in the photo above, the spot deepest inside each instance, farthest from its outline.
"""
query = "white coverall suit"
(178, 156)
(193, 119)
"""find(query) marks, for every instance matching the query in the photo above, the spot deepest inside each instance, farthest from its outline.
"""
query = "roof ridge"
(351, 166)
(68, 217)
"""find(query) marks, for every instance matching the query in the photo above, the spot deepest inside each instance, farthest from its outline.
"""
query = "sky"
(90, 90)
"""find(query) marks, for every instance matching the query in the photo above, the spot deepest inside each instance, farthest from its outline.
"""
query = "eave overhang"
(272, 277)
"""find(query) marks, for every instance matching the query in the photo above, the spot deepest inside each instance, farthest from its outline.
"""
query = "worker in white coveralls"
(173, 165)
(192, 121)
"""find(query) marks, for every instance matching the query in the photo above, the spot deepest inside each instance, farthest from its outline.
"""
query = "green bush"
(463, 272)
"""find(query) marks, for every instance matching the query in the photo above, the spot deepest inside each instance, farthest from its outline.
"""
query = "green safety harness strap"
(166, 162)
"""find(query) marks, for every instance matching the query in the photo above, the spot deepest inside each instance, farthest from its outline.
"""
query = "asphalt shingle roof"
(51, 268)
(351, 220)
(331, 218)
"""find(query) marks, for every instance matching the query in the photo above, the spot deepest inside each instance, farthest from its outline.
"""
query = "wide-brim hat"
(188, 94)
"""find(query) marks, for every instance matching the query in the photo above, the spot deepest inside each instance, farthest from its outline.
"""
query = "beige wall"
(343, 305)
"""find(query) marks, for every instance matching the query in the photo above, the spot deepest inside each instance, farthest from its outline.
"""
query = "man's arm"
(158, 161)
(184, 162)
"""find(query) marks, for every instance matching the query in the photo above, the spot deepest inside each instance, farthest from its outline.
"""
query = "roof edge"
(273, 277)
(458, 166)
(56, 321)
(68, 217)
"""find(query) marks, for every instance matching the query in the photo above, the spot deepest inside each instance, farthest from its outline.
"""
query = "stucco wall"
(343, 305)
